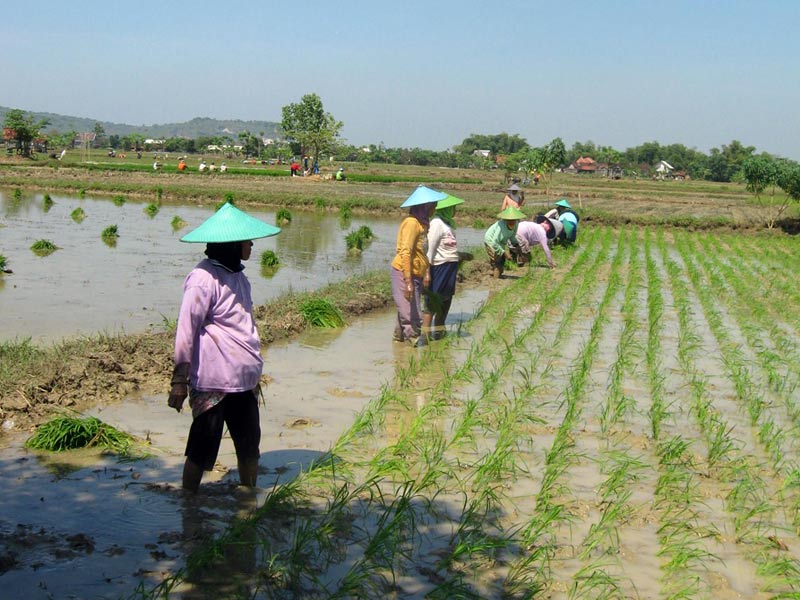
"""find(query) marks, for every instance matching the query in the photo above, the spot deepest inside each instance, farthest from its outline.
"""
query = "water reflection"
(88, 287)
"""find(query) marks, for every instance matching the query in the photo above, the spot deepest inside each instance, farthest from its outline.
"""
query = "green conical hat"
(563, 203)
(450, 200)
(229, 224)
(511, 213)
(423, 195)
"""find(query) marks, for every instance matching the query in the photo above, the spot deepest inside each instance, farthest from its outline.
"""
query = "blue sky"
(423, 74)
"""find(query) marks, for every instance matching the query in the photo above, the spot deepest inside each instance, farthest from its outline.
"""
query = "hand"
(507, 254)
(177, 395)
(409, 291)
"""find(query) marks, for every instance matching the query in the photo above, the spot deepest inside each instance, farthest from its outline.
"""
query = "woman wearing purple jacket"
(217, 350)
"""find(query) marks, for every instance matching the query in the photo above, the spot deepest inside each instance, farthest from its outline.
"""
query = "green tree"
(310, 126)
(497, 144)
(726, 163)
(24, 129)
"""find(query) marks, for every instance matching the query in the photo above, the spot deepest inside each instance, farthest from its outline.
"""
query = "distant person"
(156, 165)
(340, 176)
(223, 167)
(498, 237)
(202, 167)
(212, 166)
(294, 168)
(514, 197)
(63, 154)
(568, 218)
(536, 232)
(315, 168)
(181, 165)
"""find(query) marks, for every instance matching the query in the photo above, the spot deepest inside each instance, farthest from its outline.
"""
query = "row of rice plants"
(756, 517)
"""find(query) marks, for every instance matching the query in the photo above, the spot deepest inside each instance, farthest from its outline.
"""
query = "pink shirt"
(530, 233)
(216, 332)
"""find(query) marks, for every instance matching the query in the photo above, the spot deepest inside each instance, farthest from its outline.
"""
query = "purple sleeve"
(194, 309)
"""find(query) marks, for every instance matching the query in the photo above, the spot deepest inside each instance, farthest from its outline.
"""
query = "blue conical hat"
(423, 195)
(229, 224)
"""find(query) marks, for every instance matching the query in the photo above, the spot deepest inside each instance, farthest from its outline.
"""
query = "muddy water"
(87, 286)
(87, 526)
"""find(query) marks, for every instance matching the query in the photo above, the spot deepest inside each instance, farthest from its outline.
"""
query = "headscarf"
(228, 254)
(420, 213)
(447, 215)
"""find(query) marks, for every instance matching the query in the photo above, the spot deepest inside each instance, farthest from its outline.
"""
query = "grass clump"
(47, 202)
(43, 247)
(119, 200)
(227, 199)
(70, 433)
(3, 263)
(78, 215)
(319, 312)
(151, 210)
(17, 194)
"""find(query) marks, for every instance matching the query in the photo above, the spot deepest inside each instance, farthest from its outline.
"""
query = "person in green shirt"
(499, 235)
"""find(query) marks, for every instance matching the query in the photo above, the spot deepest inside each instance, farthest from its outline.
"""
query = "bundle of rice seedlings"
(110, 232)
(269, 259)
(151, 210)
(177, 223)
(69, 433)
(43, 247)
(319, 312)
(78, 215)
(283, 216)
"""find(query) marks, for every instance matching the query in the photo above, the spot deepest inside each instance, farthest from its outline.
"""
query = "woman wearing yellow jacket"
(409, 271)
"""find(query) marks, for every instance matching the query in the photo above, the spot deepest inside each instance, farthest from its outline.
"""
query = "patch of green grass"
(3, 262)
(82, 193)
(69, 433)
(17, 194)
(320, 202)
(479, 224)
(47, 202)
(43, 247)
(319, 312)
(119, 200)
(78, 215)
(151, 210)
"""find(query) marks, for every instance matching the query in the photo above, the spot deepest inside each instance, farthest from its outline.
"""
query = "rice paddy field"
(623, 427)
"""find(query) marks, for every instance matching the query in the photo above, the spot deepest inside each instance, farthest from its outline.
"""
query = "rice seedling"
(320, 203)
(151, 210)
(72, 432)
(17, 194)
(47, 202)
(78, 215)
(3, 264)
(159, 194)
(118, 200)
(43, 247)
(82, 193)
(319, 312)
(345, 211)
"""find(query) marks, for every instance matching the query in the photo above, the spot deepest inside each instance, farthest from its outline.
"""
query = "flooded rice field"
(87, 286)
(82, 525)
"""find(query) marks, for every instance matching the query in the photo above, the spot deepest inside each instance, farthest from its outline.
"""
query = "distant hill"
(199, 126)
